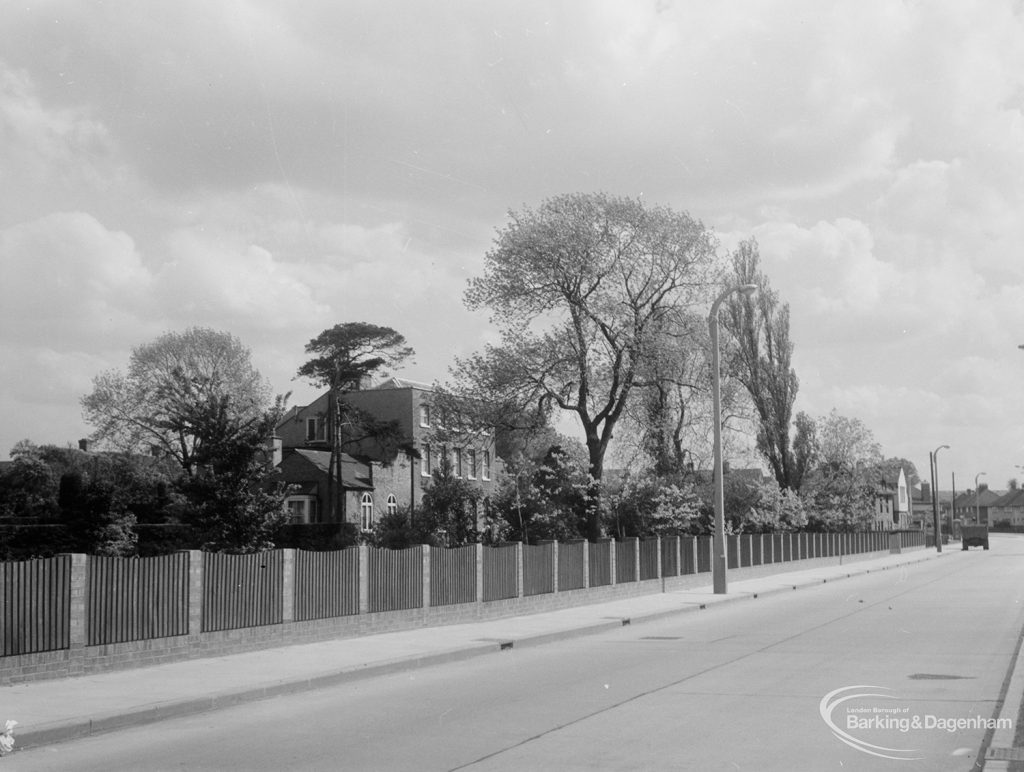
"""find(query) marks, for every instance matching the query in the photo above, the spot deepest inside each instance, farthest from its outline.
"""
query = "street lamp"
(934, 459)
(718, 546)
(977, 508)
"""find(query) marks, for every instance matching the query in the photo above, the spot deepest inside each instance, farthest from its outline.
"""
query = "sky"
(272, 169)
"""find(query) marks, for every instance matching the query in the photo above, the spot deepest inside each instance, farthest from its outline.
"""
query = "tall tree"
(577, 289)
(171, 386)
(345, 355)
(761, 360)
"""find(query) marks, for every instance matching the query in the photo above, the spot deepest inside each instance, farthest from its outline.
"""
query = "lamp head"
(750, 289)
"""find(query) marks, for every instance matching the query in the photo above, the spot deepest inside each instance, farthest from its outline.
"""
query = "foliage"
(28, 486)
(344, 356)
(447, 514)
(401, 529)
(845, 443)
(100, 521)
(172, 385)
(578, 289)
(777, 509)
(646, 506)
(234, 502)
(761, 360)
(544, 497)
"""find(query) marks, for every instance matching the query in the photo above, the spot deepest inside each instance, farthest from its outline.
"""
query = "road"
(737, 687)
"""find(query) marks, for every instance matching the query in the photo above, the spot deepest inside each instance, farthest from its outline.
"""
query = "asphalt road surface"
(899, 669)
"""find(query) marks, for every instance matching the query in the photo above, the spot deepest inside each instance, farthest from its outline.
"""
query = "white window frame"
(425, 462)
(392, 505)
(304, 514)
(366, 512)
(457, 461)
(425, 416)
(471, 463)
(485, 473)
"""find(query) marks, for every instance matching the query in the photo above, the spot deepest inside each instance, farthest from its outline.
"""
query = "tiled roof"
(1010, 499)
(351, 468)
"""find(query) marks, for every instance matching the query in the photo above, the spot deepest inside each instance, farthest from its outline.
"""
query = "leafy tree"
(101, 522)
(646, 506)
(28, 486)
(578, 289)
(171, 386)
(448, 509)
(777, 509)
(345, 355)
(762, 361)
(235, 504)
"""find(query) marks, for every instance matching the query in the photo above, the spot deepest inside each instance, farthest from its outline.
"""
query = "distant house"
(380, 479)
(1008, 509)
(893, 503)
(973, 506)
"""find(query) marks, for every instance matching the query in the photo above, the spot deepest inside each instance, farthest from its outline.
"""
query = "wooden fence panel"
(242, 590)
(395, 578)
(704, 547)
(326, 584)
(36, 598)
(538, 568)
(570, 566)
(649, 559)
(453, 575)
(135, 599)
(600, 559)
(625, 561)
(501, 572)
(670, 556)
(732, 551)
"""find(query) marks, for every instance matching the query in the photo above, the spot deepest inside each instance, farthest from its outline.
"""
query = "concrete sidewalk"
(52, 711)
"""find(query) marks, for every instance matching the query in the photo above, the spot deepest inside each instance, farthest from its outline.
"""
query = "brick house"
(1007, 509)
(375, 480)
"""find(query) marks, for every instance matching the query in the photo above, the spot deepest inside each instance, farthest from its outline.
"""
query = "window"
(392, 504)
(425, 415)
(486, 472)
(316, 429)
(457, 461)
(471, 461)
(366, 512)
(301, 509)
(425, 461)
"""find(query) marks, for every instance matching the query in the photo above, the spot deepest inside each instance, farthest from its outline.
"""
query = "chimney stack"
(83, 444)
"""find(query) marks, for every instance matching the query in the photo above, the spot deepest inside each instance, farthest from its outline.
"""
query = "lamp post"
(935, 496)
(977, 507)
(718, 547)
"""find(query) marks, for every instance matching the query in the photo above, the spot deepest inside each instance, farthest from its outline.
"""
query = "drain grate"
(660, 638)
(938, 677)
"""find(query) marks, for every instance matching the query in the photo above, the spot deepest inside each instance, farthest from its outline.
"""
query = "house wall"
(399, 475)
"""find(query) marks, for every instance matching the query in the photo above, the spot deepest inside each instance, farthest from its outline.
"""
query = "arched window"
(366, 510)
(392, 504)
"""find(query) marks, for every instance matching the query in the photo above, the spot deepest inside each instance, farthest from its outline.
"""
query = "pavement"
(58, 710)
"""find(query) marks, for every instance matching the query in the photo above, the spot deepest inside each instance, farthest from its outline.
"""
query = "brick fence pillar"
(586, 565)
(554, 565)
(79, 586)
(364, 579)
(479, 572)
(196, 580)
(520, 583)
(425, 600)
(288, 585)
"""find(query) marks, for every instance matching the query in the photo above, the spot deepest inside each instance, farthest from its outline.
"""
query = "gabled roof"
(1010, 499)
(984, 499)
(354, 473)
(402, 383)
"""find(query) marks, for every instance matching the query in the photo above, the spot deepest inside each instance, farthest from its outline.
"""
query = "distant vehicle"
(974, 536)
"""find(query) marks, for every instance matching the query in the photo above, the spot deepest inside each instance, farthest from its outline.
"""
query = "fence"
(102, 604)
